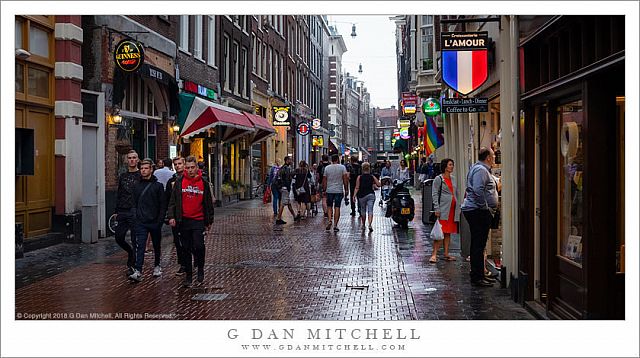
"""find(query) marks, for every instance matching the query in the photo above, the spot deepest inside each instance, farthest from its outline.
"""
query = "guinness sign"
(129, 55)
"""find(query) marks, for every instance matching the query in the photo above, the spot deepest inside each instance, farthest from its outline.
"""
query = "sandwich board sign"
(464, 60)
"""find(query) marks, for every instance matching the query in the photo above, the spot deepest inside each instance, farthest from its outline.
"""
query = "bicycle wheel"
(112, 223)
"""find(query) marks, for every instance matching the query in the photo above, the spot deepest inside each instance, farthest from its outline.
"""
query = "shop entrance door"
(89, 184)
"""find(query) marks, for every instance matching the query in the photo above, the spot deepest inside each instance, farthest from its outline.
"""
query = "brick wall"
(157, 23)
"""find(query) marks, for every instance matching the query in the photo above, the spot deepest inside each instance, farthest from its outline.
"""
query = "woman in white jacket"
(443, 193)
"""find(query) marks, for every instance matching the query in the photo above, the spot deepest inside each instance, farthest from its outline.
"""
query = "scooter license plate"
(406, 211)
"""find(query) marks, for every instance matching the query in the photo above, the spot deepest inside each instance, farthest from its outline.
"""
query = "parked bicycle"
(112, 223)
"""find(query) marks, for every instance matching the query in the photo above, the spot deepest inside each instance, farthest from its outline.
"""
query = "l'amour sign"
(464, 60)
(129, 55)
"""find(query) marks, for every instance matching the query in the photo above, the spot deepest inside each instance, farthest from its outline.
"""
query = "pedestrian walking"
(191, 210)
(386, 170)
(323, 164)
(271, 180)
(447, 208)
(125, 208)
(335, 183)
(364, 192)
(354, 170)
(422, 172)
(313, 184)
(402, 173)
(149, 215)
(480, 204)
(283, 183)
(178, 163)
(302, 189)
(430, 169)
(165, 173)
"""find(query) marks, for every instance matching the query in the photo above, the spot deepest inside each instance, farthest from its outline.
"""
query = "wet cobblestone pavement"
(253, 271)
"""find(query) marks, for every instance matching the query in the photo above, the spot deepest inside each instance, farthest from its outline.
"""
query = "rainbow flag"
(434, 139)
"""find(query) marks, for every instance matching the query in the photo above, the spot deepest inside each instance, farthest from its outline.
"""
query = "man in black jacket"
(150, 209)
(191, 210)
(125, 206)
(178, 163)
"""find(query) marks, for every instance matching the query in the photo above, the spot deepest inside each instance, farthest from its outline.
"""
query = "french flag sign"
(464, 60)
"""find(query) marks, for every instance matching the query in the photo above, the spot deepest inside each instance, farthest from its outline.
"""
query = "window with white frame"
(264, 61)
(426, 31)
(197, 47)
(184, 33)
(236, 67)
(258, 57)
(211, 41)
(282, 67)
(276, 60)
(270, 66)
(227, 63)
(245, 69)
(255, 50)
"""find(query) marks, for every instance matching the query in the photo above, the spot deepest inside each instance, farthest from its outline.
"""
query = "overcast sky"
(374, 47)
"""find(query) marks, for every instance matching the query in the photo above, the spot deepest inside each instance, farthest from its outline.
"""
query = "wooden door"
(35, 193)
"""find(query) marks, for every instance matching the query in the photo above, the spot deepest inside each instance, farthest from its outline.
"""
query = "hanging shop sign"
(129, 55)
(317, 141)
(199, 90)
(303, 128)
(409, 103)
(316, 123)
(404, 133)
(431, 107)
(465, 105)
(281, 116)
(404, 123)
(464, 60)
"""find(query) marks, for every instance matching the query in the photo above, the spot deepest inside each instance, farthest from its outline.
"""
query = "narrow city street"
(255, 272)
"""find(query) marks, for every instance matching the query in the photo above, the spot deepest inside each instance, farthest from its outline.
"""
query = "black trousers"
(354, 203)
(126, 222)
(479, 223)
(178, 245)
(192, 241)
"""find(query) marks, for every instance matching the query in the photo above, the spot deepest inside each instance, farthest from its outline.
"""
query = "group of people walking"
(479, 207)
(185, 201)
(147, 200)
(328, 183)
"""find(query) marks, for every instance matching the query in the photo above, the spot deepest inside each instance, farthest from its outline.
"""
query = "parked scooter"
(385, 189)
(402, 207)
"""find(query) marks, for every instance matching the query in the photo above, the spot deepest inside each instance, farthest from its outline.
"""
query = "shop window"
(38, 82)
(570, 181)
(89, 108)
(19, 42)
(19, 78)
(38, 41)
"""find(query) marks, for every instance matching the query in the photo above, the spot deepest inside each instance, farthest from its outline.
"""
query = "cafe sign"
(129, 55)
(464, 60)
(281, 116)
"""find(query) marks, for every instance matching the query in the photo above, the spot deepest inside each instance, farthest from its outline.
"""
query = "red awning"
(264, 129)
(205, 114)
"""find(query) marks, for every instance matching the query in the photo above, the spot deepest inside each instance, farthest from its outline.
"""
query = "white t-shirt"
(334, 174)
(163, 175)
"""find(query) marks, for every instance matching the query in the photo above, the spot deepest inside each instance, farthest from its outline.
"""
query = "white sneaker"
(136, 275)
(157, 271)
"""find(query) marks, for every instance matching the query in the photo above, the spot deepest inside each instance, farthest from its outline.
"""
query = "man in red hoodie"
(191, 210)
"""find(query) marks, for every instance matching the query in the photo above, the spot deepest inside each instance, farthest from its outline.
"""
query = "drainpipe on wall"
(509, 124)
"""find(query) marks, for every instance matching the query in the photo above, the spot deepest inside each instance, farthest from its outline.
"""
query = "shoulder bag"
(432, 216)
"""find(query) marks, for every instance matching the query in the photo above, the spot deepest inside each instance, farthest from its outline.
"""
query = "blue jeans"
(276, 198)
(141, 232)
(334, 199)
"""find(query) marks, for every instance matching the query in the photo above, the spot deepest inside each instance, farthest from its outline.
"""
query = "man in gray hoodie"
(479, 206)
